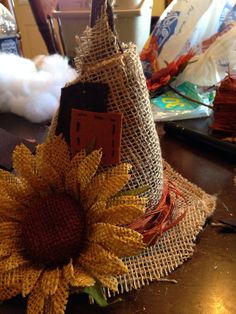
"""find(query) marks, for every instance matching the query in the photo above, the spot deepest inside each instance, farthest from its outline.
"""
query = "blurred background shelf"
(31, 39)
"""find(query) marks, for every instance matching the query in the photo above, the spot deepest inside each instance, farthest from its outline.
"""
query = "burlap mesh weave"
(100, 59)
(176, 245)
(52, 230)
(71, 234)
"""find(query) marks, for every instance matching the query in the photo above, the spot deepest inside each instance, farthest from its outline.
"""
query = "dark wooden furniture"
(167, 2)
(42, 10)
(207, 282)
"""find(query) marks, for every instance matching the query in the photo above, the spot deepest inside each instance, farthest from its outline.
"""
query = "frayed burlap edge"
(177, 244)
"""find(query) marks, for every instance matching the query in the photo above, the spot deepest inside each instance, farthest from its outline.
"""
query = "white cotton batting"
(32, 89)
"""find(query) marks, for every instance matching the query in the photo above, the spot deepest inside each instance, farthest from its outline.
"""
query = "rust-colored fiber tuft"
(225, 107)
(154, 223)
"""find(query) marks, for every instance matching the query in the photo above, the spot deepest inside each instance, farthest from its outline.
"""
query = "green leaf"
(97, 293)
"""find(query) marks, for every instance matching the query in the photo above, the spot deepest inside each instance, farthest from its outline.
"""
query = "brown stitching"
(114, 128)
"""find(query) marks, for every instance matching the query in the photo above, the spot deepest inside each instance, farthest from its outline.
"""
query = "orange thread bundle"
(225, 107)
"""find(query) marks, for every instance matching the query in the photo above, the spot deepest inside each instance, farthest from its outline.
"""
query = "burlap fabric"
(100, 59)
(50, 246)
(177, 244)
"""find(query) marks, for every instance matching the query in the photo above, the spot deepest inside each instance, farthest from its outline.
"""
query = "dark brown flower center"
(53, 230)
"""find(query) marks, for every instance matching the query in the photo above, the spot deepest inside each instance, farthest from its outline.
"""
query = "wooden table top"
(206, 284)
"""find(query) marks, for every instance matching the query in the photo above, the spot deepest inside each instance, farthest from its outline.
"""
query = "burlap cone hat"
(101, 59)
(96, 208)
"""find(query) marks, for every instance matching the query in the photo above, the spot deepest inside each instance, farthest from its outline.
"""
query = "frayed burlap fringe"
(176, 245)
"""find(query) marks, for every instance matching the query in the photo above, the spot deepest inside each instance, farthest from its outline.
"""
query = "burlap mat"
(177, 244)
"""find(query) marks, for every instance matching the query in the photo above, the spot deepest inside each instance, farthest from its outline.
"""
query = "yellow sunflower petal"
(15, 260)
(8, 293)
(11, 278)
(16, 188)
(119, 240)
(23, 161)
(112, 185)
(76, 160)
(36, 300)
(4, 219)
(77, 277)
(71, 184)
(48, 306)
(122, 214)
(71, 181)
(81, 278)
(68, 271)
(11, 283)
(7, 202)
(90, 194)
(95, 211)
(13, 215)
(60, 298)
(104, 182)
(96, 258)
(128, 200)
(108, 281)
(31, 276)
(25, 166)
(87, 168)
(51, 177)
(7, 246)
(9, 208)
(50, 281)
(55, 152)
(9, 229)
(117, 215)
(120, 169)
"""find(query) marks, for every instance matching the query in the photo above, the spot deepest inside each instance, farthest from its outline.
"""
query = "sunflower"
(62, 225)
